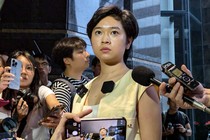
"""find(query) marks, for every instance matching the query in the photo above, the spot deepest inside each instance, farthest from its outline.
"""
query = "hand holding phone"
(54, 112)
(172, 71)
(16, 67)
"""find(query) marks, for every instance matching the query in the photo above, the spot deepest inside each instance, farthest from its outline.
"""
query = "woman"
(113, 93)
(38, 100)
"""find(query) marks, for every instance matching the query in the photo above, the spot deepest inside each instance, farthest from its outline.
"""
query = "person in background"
(2, 65)
(103, 132)
(176, 124)
(44, 67)
(113, 93)
(71, 55)
(2, 101)
(4, 55)
(95, 66)
(38, 100)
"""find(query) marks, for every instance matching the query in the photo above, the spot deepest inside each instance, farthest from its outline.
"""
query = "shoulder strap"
(71, 86)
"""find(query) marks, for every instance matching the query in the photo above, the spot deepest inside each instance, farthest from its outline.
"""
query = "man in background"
(176, 124)
(44, 68)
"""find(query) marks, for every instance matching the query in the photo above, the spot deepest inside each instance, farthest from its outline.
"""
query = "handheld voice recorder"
(172, 71)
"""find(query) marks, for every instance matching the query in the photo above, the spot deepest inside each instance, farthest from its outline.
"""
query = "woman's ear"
(129, 42)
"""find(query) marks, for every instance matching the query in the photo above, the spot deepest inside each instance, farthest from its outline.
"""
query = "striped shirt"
(63, 92)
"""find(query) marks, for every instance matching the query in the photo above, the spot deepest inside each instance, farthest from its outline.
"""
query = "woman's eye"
(97, 32)
(114, 32)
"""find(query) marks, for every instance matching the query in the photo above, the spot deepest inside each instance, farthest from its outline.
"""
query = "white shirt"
(32, 130)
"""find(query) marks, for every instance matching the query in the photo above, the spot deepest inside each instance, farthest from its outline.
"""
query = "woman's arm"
(149, 115)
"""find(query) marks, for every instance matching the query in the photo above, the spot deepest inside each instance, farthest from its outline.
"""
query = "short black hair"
(65, 48)
(126, 18)
(43, 57)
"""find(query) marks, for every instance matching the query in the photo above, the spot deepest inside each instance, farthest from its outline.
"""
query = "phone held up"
(89, 128)
(16, 67)
(172, 71)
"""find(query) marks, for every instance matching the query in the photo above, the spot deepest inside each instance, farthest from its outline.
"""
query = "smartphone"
(89, 128)
(54, 112)
(16, 67)
(187, 81)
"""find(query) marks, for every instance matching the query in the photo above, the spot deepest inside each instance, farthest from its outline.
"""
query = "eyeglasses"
(43, 64)
(29, 68)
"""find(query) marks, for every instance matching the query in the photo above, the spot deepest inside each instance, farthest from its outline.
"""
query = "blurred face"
(109, 40)
(103, 132)
(80, 59)
(1, 67)
(173, 106)
(27, 72)
(43, 66)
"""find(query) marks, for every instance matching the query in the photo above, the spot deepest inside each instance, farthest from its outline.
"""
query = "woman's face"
(109, 40)
(27, 72)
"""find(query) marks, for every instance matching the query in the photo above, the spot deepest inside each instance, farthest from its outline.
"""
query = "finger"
(20, 103)
(185, 69)
(172, 81)
(174, 91)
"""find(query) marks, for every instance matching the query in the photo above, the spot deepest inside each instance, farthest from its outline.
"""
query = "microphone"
(107, 87)
(145, 77)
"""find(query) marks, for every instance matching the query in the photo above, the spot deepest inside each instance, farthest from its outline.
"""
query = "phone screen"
(94, 128)
(16, 67)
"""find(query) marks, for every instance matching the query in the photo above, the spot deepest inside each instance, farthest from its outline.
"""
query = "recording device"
(8, 127)
(145, 77)
(54, 112)
(172, 71)
(90, 127)
(16, 67)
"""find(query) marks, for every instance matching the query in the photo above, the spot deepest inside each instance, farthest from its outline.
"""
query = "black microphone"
(107, 87)
(145, 77)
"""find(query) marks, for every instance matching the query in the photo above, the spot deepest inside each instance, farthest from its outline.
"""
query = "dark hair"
(8, 94)
(43, 57)
(65, 48)
(95, 61)
(126, 18)
(102, 129)
(2, 61)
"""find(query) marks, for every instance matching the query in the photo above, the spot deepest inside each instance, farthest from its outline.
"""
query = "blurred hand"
(22, 109)
(5, 78)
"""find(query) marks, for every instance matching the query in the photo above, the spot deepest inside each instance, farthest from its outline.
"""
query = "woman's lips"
(105, 50)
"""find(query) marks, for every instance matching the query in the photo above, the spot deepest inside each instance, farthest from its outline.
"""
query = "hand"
(181, 128)
(22, 109)
(169, 131)
(60, 129)
(177, 92)
(5, 78)
(51, 122)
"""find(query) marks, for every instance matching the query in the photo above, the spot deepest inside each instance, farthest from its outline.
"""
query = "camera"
(8, 127)
(27, 96)
(170, 125)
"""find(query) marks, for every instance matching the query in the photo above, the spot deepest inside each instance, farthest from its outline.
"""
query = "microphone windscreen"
(142, 75)
(107, 86)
